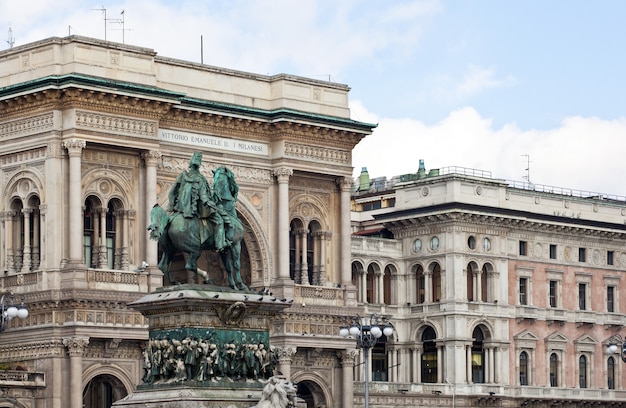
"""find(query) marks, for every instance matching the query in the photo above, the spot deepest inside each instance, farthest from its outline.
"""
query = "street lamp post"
(366, 336)
(614, 345)
(8, 310)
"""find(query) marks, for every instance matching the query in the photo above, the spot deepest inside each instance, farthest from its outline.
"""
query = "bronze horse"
(175, 233)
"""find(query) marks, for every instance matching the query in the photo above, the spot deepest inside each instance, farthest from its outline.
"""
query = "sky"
(524, 89)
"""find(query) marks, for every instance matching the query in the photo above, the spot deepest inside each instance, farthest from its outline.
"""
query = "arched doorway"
(102, 391)
(312, 394)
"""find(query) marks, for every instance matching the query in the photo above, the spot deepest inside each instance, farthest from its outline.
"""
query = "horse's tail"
(158, 222)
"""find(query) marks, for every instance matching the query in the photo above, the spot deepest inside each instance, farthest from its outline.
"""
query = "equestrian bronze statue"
(200, 218)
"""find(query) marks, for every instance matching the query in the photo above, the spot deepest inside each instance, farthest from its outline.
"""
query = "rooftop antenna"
(121, 21)
(11, 39)
(527, 176)
(105, 20)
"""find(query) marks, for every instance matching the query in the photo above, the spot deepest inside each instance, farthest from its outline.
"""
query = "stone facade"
(92, 135)
(501, 293)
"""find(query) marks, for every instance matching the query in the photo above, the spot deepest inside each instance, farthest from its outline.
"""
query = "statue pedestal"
(208, 347)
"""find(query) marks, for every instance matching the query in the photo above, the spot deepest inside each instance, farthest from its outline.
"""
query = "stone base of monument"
(191, 397)
(208, 347)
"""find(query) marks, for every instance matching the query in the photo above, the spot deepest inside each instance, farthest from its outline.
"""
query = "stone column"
(8, 233)
(440, 364)
(75, 347)
(75, 148)
(345, 234)
(468, 357)
(151, 159)
(304, 268)
(125, 228)
(36, 249)
(285, 355)
(26, 251)
(380, 288)
(324, 237)
(417, 365)
(532, 373)
(103, 253)
(363, 287)
(348, 357)
(282, 177)
(428, 286)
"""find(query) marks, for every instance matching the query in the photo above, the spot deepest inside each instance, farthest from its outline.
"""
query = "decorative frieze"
(27, 126)
(315, 153)
(116, 124)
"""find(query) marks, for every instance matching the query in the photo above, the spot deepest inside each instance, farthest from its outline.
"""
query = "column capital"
(345, 184)
(283, 174)
(151, 157)
(74, 146)
(285, 354)
(348, 357)
(75, 345)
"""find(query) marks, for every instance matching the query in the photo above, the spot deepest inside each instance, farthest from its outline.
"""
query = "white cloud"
(559, 157)
(478, 79)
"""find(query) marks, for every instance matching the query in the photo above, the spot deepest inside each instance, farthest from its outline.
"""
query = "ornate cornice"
(407, 226)
(318, 135)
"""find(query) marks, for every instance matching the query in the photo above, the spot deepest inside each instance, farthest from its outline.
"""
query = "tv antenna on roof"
(103, 10)
(527, 176)
(11, 39)
(121, 21)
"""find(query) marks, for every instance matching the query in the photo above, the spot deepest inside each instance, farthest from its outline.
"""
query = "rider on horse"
(191, 196)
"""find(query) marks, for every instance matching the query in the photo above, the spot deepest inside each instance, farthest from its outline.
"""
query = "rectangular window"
(582, 255)
(610, 299)
(582, 296)
(552, 294)
(552, 251)
(609, 258)
(523, 248)
(523, 290)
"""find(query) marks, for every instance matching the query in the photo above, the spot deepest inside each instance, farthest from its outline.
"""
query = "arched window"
(523, 368)
(478, 357)
(470, 278)
(420, 284)
(102, 391)
(112, 245)
(314, 261)
(429, 356)
(436, 289)
(15, 244)
(554, 370)
(582, 371)
(371, 290)
(90, 233)
(387, 289)
(610, 373)
(484, 283)
(295, 229)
